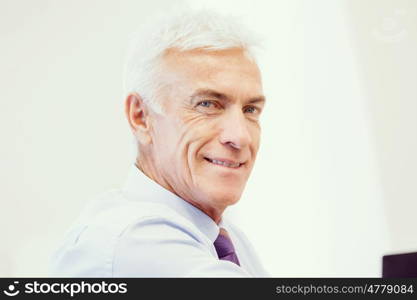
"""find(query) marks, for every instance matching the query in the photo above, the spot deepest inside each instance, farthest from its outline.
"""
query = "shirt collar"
(138, 186)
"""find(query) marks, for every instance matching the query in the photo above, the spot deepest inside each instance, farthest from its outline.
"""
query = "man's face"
(205, 144)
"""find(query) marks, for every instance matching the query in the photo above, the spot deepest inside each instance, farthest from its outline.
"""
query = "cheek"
(255, 132)
(200, 133)
(165, 139)
(177, 142)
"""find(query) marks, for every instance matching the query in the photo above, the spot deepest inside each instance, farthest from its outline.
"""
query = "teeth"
(223, 163)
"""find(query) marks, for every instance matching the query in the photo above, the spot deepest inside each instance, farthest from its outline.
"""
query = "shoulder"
(110, 222)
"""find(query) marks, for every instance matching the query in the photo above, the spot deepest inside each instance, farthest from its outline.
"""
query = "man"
(194, 98)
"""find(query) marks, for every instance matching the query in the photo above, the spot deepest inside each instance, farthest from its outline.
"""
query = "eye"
(205, 103)
(251, 109)
(208, 106)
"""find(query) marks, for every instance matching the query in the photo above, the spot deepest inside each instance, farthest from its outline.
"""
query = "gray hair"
(184, 31)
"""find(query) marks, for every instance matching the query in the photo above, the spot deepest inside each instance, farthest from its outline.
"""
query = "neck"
(151, 172)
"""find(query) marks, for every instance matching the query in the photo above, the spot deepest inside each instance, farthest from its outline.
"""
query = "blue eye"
(251, 109)
(205, 103)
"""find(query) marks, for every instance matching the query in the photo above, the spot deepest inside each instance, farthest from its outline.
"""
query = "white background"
(334, 187)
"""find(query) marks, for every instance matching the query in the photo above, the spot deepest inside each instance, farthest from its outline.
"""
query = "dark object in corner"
(399, 265)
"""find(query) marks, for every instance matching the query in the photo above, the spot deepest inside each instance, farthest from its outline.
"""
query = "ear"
(137, 114)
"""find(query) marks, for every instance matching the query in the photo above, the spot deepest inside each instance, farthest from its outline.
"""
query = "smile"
(224, 163)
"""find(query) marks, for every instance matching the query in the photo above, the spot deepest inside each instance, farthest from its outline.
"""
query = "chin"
(225, 196)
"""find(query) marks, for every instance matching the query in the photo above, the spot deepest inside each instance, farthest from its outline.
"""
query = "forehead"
(228, 71)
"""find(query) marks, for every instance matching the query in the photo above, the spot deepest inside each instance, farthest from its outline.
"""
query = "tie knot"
(223, 232)
(224, 247)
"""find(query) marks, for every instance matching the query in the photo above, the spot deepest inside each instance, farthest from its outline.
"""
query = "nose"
(235, 132)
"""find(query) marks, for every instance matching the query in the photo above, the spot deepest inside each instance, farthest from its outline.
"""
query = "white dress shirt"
(144, 230)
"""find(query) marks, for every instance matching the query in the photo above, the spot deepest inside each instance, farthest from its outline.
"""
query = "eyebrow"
(218, 95)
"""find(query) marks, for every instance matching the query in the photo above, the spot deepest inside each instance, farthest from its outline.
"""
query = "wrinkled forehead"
(229, 71)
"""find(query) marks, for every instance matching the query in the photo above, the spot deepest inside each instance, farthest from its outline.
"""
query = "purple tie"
(224, 247)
